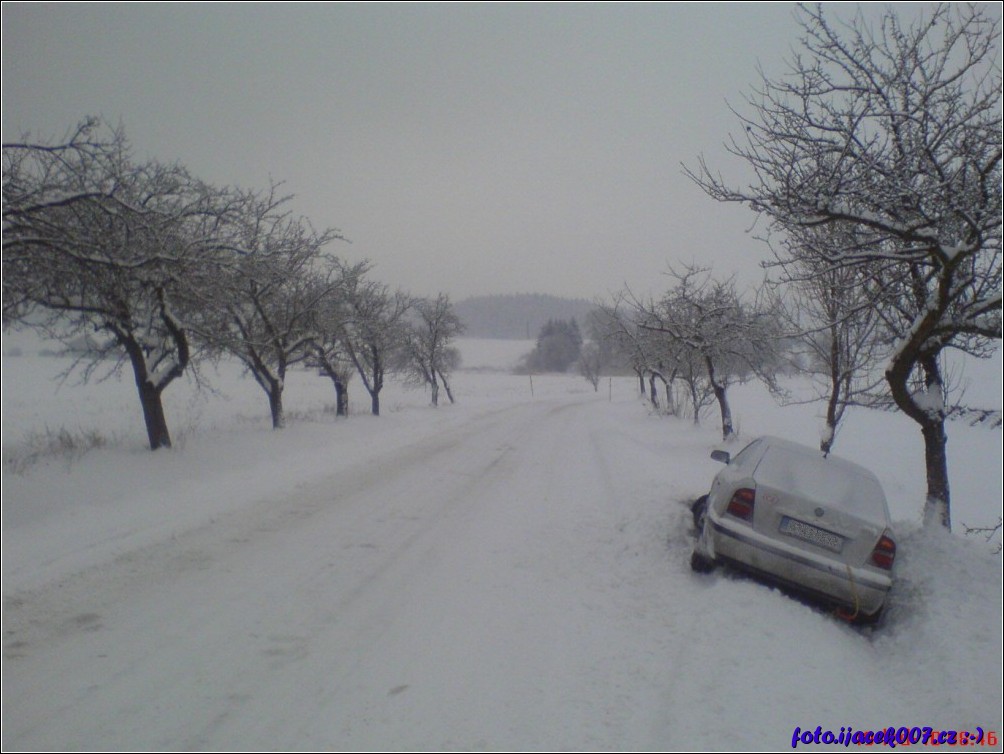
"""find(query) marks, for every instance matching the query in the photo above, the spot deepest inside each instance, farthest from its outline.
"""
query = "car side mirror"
(720, 455)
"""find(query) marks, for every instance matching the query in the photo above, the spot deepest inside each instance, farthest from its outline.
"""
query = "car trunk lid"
(829, 505)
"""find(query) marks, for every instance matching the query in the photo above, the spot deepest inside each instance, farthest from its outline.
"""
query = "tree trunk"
(723, 404)
(373, 388)
(653, 394)
(832, 417)
(341, 398)
(446, 386)
(723, 401)
(341, 386)
(641, 381)
(153, 415)
(149, 394)
(341, 394)
(275, 404)
(931, 418)
(377, 380)
(694, 398)
(832, 411)
(937, 509)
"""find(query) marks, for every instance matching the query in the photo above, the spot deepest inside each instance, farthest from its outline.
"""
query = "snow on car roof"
(829, 480)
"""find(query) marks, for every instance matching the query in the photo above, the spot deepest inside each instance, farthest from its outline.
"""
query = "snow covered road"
(508, 576)
(431, 597)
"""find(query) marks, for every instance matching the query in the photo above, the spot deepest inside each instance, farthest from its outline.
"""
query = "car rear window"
(825, 481)
(746, 455)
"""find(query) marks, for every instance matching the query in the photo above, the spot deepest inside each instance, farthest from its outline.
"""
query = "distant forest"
(518, 316)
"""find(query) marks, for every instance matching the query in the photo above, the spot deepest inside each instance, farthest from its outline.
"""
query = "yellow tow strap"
(857, 600)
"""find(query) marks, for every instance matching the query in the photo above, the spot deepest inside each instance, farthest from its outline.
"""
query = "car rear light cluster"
(884, 553)
(741, 504)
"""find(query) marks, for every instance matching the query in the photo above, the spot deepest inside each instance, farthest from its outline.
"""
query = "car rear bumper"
(854, 588)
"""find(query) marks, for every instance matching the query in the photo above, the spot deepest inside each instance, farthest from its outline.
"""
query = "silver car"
(818, 524)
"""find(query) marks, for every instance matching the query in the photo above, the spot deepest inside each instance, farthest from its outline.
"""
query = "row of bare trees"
(875, 166)
(167, 270)
(702, 334)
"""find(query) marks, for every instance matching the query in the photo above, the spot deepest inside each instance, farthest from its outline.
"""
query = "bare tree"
(448, 362)
(375, 331)
(329, 350)
(648, 353)
(708, 319)
(591, 363)
(428, 356)
(269, 283)
(94, 242)
(600, 353)
(690, 368)
(614, 326)
(894, 131)
(835, 331)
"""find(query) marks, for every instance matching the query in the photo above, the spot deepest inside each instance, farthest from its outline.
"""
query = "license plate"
(795, 528)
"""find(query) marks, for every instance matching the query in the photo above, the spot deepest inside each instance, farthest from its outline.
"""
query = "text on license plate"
(809, 533)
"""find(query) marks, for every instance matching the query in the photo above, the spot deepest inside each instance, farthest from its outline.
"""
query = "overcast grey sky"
(471, 149)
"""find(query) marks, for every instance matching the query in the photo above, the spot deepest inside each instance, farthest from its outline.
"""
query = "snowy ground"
(510, 572)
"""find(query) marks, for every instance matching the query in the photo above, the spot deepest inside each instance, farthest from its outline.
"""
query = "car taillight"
(884, 553)
(741, 504)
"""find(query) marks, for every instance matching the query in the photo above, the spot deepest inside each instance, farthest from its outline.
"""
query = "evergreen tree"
(559, 345)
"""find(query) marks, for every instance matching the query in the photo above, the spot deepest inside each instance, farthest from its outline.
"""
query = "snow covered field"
(510, 572)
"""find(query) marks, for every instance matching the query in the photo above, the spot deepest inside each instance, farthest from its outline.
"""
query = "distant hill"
(518, 316)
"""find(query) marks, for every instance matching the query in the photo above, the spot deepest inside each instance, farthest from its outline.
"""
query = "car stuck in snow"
(817, 524)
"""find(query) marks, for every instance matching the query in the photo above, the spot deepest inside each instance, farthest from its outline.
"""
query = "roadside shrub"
(60, 444)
